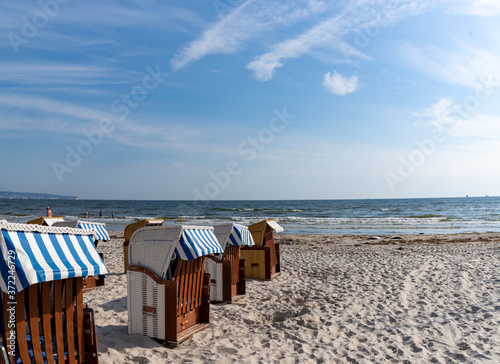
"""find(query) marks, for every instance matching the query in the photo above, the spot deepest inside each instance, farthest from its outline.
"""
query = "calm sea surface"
(354, 217)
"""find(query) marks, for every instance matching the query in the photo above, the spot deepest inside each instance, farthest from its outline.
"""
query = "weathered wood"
(58, 318)
(68, 313)
(46, 320)
(226, 280)
(40, 308)
(5, 336)
(205, 300)
(200, 282)
(79, 318)
(33, 322)
(258, 262)
(241, 286)
(22, 344)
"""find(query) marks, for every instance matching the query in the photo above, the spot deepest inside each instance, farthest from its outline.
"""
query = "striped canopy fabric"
(100, 230)
(32, 254)
(195, 243)
(240, 236)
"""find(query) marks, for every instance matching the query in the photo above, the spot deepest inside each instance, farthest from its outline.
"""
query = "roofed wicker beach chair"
(263, 259)
(130, 230)
(44, 319)
(45, 221)
(227, 271)
(168, 292)
(101, 234)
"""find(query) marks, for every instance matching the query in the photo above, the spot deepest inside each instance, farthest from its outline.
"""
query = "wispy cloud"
(55, 73)
(456, 66)
(57, 117)
(447, 115)
(479, 7)
(250, 19)
(340, 85)
(355, 17)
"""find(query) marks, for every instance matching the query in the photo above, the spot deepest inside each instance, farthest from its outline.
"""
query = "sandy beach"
(339, 299)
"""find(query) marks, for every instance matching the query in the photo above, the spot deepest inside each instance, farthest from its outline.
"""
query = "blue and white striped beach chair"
(43, 316)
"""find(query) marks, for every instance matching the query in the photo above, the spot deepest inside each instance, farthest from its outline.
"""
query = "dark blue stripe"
(75, 256)
(46, 256)
(187, 246)
(40, 272)
(233, 240)
(20, 275)
(62, 257)
(86, 251)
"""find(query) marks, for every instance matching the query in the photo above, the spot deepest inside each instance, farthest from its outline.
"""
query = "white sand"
(339, 299)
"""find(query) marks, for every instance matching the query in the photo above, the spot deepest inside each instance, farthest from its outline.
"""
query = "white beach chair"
(168, 292)
(130, 230)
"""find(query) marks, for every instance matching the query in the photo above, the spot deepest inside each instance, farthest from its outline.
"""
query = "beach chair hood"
(276, 227)
(233, 234)
(153, 247)
(98, 227)
(33, 254)
(258, 230)
(196, 242)
(46, 221)
(131, 228)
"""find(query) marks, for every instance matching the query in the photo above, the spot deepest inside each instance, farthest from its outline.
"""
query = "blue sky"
(256, 99)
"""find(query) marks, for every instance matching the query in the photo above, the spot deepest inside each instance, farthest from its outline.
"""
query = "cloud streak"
(356, 17)
(250, 19)
(456, 67)
(56, 117)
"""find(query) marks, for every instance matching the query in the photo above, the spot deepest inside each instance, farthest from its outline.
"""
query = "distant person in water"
(86, 214)
(112, 214)
(100, 213)
(49, 212)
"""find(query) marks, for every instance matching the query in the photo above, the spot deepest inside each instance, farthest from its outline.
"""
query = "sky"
(255, 99)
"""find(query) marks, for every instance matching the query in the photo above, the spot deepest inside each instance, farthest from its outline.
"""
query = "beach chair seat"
(168, 291)
(263, 259)
(44, 319)
(227, 271)
(130, 230)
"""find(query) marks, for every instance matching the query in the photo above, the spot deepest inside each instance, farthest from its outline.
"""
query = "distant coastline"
(34, 196)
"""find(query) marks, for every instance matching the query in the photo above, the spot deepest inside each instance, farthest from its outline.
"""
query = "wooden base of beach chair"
(91, 283)
(48, 323)
(169, 311)
(259, 262)
(227, 277)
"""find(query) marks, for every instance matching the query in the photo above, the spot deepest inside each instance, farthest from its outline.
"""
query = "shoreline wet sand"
(340, 298)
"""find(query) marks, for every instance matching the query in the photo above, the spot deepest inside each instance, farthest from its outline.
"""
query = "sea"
(337, 217)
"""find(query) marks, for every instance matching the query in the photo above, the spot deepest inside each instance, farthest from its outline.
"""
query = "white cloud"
(455, 67)
(250, 19)
(265, 65)
(57, 118)
(439, 114)
(354, 19)
(479, 7)
(456, 121)
(339, 85)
